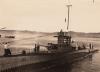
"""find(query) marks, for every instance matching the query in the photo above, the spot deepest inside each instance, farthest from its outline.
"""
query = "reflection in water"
(83, 66)
(90, 58)
(90, 64)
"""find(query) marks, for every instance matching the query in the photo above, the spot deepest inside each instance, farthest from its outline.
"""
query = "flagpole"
(68, 17)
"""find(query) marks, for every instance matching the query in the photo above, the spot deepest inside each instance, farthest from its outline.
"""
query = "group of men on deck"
(7, 51)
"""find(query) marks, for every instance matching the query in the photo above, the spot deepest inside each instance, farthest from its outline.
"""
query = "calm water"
(91, 64)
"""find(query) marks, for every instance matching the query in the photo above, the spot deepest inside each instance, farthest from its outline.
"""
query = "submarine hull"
(43, 61)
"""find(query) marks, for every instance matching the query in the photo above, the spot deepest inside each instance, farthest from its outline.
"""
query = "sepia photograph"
(49, 35)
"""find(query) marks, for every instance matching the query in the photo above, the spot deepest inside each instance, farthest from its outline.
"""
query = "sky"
(49, 15)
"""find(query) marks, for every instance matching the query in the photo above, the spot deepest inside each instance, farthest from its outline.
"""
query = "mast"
(68, 18)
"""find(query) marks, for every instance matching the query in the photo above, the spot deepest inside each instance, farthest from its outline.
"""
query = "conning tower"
(64, 41)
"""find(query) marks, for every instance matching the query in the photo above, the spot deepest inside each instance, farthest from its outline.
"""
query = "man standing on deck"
(90, 47)
(5, 45)
(7, 51)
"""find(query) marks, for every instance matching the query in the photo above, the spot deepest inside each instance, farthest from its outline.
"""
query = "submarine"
(58, 54)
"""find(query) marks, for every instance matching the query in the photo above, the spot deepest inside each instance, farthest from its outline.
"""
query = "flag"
(93, 1)
(65, 19)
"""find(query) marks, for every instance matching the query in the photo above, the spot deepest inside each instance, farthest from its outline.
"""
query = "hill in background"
(26, 40)
(26, 33)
